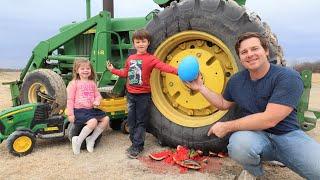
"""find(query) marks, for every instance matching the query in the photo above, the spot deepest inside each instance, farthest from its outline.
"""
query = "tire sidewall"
(14, 136)
(53, 83)
(32, 79)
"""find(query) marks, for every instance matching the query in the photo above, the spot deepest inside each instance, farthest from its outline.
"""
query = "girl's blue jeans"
(295, 149)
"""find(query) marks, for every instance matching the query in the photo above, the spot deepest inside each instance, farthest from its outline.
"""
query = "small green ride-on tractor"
(21, 125)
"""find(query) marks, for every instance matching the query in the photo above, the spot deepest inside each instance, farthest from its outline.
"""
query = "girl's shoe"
(90, 144)
(75, 145)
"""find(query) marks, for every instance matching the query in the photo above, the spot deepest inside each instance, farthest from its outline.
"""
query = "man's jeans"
(138, 115)
(295, 149)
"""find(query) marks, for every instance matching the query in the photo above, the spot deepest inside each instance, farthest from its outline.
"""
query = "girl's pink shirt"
(81, 94)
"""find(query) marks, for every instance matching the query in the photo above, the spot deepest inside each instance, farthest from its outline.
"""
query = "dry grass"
(314, 101)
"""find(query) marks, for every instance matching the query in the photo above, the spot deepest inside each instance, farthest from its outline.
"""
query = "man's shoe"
(245, 175)
(276, 163)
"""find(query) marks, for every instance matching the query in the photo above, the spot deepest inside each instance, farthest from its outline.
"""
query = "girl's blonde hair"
(76, 65)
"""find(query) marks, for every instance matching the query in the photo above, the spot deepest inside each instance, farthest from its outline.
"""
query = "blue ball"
(188, 68)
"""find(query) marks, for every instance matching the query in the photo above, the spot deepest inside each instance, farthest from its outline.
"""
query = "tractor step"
(114, 105)
(310, 121)
(51, 136)
(310, 115)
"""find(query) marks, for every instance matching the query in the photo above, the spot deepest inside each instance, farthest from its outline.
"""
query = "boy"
(137, 69)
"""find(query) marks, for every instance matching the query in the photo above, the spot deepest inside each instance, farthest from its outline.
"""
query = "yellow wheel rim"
(22, 144)
(176, 101)
(34, 88)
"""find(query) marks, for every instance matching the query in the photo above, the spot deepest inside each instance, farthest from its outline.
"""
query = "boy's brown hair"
(76, 64)
(141, 34)
(247, 35)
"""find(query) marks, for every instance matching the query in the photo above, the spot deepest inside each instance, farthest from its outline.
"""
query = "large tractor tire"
(208, 30)
(21, 142)
(46, 82)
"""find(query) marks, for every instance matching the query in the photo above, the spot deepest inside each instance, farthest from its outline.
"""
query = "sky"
(23, 24)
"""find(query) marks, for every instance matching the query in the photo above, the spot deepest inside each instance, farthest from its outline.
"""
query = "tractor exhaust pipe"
(88, 9)
(108, 6)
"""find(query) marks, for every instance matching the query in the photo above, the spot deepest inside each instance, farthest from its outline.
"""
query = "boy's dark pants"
(138, 115)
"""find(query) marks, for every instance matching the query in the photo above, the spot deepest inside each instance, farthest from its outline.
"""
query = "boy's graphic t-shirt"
(135, 72)
(138, 68)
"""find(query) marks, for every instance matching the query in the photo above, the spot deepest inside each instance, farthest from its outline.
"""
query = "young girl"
(83, 96)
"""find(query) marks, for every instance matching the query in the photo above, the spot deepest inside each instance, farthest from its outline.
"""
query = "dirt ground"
(53, 159)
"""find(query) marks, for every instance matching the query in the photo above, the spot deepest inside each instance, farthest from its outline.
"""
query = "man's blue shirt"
(280, 86)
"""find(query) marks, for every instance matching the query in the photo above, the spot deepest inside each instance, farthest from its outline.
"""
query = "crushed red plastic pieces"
(185, 158)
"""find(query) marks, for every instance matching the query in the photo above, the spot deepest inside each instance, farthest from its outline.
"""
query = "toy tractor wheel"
(45, 82)
(21, 143)
(75, 129)
(125, 127)
(208, 30)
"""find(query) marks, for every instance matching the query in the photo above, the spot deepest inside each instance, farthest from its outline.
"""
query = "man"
(268, 128)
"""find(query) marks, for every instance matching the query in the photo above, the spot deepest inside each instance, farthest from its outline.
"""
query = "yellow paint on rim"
(22, 144)
(173, 99)
(51, 129)
(32, 93)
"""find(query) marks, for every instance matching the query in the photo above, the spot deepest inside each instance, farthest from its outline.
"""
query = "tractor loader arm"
(44, 49)
(41, 52)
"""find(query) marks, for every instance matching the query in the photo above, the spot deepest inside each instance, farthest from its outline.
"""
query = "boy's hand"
(109, 66)
(71, 119)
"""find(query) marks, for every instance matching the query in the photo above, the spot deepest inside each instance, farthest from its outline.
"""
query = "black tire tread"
(49, 77)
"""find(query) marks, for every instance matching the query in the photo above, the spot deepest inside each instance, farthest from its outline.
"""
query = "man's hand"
(109, 66)
(220, 129)
(71, 119)
(196, 84)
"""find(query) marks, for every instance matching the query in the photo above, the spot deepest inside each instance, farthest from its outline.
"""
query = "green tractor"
(207, 29)
(21, 125)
